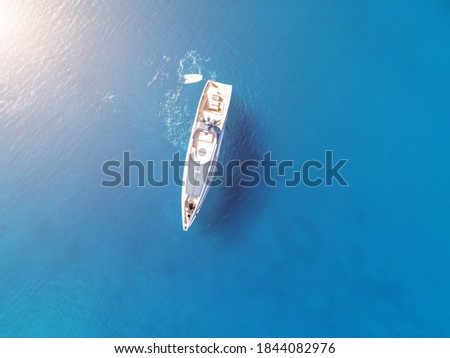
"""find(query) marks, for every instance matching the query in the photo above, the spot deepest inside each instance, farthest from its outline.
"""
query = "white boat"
(203, 149)
(192, 78)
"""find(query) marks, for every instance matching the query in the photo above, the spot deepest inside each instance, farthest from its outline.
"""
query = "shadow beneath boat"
(231, 208)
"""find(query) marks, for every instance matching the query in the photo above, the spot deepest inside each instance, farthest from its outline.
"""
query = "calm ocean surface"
(81, 83)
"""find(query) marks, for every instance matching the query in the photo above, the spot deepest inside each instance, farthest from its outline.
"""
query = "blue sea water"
(80, 83)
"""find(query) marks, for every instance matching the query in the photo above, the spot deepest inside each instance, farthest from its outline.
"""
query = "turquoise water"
(80, 84)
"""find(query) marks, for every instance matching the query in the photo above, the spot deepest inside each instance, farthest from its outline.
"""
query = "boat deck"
(204, 145)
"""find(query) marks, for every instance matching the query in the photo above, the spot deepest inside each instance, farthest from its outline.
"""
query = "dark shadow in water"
(231, 209)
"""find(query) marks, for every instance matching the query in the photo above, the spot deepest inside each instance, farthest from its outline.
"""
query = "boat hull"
(203, 148)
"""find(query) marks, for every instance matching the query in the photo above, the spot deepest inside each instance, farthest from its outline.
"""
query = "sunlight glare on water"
(8, 19)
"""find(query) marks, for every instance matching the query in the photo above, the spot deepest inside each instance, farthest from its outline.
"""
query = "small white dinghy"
(192, 78)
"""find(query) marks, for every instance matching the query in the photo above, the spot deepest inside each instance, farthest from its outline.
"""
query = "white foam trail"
(175, 109)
